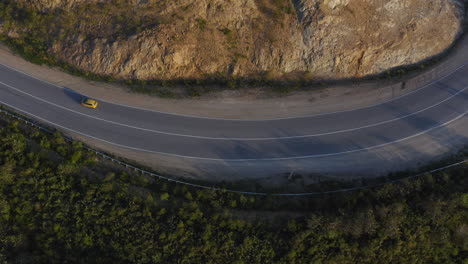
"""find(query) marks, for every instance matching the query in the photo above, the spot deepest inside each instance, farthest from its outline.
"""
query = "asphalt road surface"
(279, 144)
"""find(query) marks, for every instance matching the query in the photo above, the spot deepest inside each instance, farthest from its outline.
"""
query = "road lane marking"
(237, 138)
(241, 160)
(256, 120)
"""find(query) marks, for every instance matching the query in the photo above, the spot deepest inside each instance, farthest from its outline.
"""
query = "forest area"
(62, 204)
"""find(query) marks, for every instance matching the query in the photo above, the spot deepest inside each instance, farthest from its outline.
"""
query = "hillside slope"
(275, 39)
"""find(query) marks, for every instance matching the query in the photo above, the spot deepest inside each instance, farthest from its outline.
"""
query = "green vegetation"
(202, 23)
(32, 44)
(61, 204)
(275, 8)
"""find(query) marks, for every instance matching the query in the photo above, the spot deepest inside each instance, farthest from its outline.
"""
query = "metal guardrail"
(161, 177)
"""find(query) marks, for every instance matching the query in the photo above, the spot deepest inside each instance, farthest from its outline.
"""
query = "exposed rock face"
(355, 38)
(246, 38)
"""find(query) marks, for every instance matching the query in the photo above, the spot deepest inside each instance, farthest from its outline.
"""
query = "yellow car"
(89, 103)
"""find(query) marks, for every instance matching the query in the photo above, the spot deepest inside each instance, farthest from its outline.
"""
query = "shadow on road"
(75, 96)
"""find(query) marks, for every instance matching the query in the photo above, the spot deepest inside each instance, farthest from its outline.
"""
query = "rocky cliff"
(172, 39)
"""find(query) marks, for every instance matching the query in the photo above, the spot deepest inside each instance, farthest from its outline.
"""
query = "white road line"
(236, 138)
(245, 192)
(241, 160)
(254, 120)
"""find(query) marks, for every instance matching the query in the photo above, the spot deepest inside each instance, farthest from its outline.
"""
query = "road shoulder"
(255, 103)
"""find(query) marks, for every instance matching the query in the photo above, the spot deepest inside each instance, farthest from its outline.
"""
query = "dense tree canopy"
(60, 204)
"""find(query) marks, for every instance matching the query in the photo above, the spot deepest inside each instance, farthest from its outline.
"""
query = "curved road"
(367, 137)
